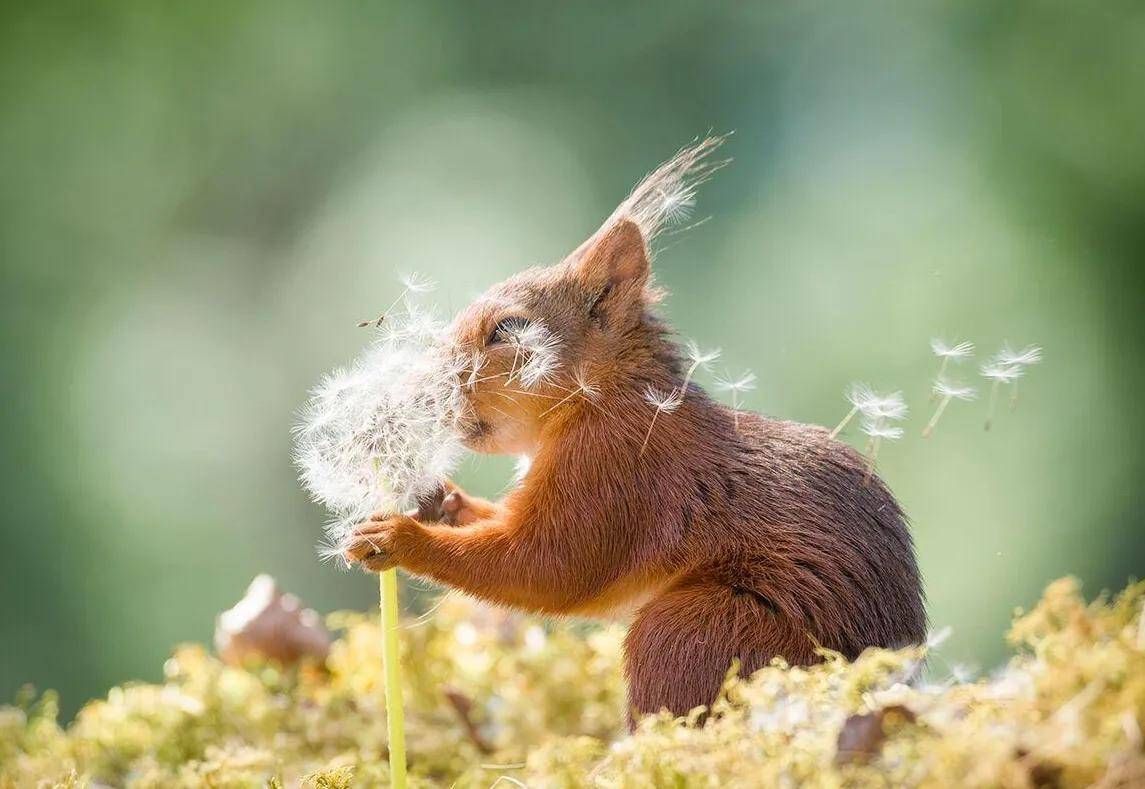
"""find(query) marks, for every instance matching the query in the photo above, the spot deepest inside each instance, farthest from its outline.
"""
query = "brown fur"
(731, 543)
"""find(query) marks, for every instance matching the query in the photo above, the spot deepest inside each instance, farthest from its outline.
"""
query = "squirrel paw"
(374, 543)
(452, 506)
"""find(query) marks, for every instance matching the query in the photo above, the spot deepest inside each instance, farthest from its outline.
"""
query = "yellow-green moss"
(545, 708)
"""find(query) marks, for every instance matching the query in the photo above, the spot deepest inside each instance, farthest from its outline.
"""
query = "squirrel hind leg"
(682, 643)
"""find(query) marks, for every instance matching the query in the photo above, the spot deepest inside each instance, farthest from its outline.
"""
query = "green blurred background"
(200, 200)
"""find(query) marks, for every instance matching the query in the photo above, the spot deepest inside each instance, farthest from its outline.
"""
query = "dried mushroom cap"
(269, 625)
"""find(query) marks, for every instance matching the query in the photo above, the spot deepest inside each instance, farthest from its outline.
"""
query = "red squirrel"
(727, 536)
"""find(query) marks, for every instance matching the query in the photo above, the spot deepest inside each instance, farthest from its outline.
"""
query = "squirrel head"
(552, 340)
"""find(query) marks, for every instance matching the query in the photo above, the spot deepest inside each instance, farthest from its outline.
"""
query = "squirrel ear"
(620, 255)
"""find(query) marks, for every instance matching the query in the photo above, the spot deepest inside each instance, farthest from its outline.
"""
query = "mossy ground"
(495, 698)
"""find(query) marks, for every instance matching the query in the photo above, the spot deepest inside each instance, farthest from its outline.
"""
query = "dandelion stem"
(378, 321)
(993, 403)
(941, 372)
(873, 453)
(391, 665)
(688, 378)
(850, 415)
(648, 435)
(1014, 395)
(926, 431)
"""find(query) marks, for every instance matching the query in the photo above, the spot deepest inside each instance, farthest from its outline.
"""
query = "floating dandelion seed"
(956, 351)
(864, 400)
(858, 395)
(1031, 354)
(936, 638)
(667, 195)
(878, 431)
(700, 357)
(536, 349)
(583, 388)
(998, 373)
(737, 386)
(418, 283)
(412, 283)
(671, 401)
(476, 363)
(662, 403)
(946, 391)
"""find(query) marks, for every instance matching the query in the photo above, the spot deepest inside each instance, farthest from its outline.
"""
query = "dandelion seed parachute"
(661, 401)
(953, 390)
(957, 350)
(998, 373)
(1031, 354)
(745, 383)
(737, 386)
(873, 406)
(950, 352)
(946, 391)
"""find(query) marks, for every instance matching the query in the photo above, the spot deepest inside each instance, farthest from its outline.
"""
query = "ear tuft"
(619, 255)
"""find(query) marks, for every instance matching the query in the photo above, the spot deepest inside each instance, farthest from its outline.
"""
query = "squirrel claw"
(371, 544)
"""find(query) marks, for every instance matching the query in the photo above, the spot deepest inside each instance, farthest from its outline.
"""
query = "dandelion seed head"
(954, 390)
(385, 431)
(663, 402)
(1031, 354)
(957, 350)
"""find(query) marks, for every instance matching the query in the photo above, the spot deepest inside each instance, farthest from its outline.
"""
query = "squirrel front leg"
(534, 564)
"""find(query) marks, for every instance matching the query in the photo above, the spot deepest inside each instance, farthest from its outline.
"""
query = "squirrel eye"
(506, 330)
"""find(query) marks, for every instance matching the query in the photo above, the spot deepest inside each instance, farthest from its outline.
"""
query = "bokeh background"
(199, 201)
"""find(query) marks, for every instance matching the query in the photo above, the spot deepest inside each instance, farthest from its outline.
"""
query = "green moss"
(543, 707)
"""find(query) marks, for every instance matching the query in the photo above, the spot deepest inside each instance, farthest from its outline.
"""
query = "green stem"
(391, 665)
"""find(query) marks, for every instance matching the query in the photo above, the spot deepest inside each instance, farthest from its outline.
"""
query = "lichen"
(493, 696)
